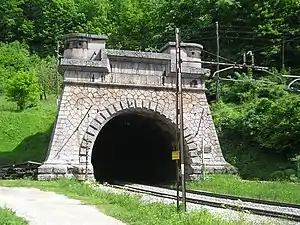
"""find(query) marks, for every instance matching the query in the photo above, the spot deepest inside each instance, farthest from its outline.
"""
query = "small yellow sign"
(175, 155)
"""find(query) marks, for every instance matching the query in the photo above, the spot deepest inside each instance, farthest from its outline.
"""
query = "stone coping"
(82, 62)
(194, 71)
(84, 36)
(182, 44)
(137, 55)
(149, 57)
(166, 88)
(83, 65)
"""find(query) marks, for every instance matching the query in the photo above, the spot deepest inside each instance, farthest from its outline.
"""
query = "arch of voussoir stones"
(144, 107)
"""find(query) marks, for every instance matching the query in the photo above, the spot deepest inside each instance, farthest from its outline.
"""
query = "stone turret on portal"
(83, 46)
(101, 84)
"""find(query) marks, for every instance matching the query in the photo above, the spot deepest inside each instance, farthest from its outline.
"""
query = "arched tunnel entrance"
(135, 147)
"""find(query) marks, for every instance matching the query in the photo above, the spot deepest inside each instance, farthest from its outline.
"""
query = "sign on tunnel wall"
(175, 155)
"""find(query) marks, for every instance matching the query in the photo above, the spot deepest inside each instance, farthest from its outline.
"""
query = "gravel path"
(47, 208)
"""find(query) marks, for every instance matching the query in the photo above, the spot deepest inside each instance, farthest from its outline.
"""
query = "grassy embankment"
(230, 184)
(8, 217)
(25, 135)
(126, 208)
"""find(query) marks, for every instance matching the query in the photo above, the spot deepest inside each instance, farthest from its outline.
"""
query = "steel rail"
(240, 198)
(217, 204)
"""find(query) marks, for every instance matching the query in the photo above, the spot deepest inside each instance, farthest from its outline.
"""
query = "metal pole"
(283, 53)
(202, 156)
(86, 162)
(182, 155)
(221, 70)
(244, 59)
(178, 180)
(56, 76)
(218, 60)
(177, 134)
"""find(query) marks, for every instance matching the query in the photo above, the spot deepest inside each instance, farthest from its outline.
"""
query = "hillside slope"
(25, 135)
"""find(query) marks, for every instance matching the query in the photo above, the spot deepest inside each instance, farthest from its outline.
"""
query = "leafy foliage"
(23, 89)
(13, 57)
(259, 26)
(257, 123)
(48, 76)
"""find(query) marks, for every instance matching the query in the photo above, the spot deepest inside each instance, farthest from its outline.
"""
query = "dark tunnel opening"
(134, 148)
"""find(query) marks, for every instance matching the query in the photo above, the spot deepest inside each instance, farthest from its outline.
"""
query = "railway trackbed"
(286, 211)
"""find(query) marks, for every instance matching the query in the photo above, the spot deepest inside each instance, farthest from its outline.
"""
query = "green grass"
(8, 217)
(25, 135)
(126, 208)
(231, 184)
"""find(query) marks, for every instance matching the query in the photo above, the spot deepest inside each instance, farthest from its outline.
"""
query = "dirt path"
(47, 208)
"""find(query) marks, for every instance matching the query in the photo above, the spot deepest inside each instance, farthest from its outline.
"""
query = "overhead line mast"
(180, 100)
(218, 61)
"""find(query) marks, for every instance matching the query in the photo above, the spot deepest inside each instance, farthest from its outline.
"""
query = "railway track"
(286, 211)
(240, 198)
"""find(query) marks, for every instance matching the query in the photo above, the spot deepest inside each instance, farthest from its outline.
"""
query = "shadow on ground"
(32, 148)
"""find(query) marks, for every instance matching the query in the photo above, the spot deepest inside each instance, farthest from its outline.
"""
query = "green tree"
(13, 58)
(258, 126)
(48, 76)
(10, 19)
(134, 24)
(23, 88)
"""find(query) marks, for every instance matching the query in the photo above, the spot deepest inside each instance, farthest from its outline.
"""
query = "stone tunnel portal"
(135, 147)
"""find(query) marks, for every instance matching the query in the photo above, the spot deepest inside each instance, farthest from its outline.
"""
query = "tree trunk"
(45, 96)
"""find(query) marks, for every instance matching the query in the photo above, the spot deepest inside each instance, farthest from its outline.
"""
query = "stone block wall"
(85, 107)
(100, 83)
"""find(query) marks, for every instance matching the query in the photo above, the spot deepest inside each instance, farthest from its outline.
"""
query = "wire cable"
(229, 60)
(276, 43)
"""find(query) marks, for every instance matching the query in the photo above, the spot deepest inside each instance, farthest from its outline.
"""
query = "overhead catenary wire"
(276, 43)
(260, 38)
(240, 36)
(281, 41)
(252, 80)
(221, 57)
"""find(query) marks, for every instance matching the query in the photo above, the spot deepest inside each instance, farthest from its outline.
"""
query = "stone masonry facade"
(100, 84)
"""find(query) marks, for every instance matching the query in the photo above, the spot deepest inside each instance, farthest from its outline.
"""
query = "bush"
(277, 175)
(258, 127)
(14, 57)
(23, 89)
(289, 173)
(283, 175)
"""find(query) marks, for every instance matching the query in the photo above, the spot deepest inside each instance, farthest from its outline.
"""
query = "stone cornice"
(138, 86)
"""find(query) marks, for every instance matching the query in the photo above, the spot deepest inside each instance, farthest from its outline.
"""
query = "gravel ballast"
(225, 214)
